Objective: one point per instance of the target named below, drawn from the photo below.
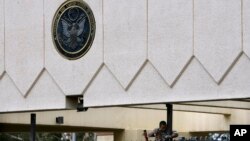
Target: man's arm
(152, 133)
(174, 135)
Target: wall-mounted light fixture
(59, 120)
(80, 107)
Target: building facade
(143, 52)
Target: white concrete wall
(145, 51)
(105, 138)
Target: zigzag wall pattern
(145, 51)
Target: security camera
(80, 107)
(59, 120)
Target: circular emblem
(73, 29)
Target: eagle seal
(73, 29)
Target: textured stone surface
(217, 34)
(44, 95)
(11, 99)
(246, 27)
(1, 37)
(170, 44)
(149, 86)
(127, 70)
(125, 31)
(73, 75)
(236, 84)
(24, 42)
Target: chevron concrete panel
(105, 87)
(246, 27)
(217, 35)
(12, 99)
(150, 87)
(24, 43)
(1, 37)
(170, 36)
(236, 84)
(45, 94)
(125, 34)
(73, 75)
(155, 90)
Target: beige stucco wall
(134, 119)
(105, 138)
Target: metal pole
(33, 127)
(73, 136)
(170, 119)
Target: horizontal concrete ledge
(229, 104)
(186, 108)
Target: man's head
(163, 125)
